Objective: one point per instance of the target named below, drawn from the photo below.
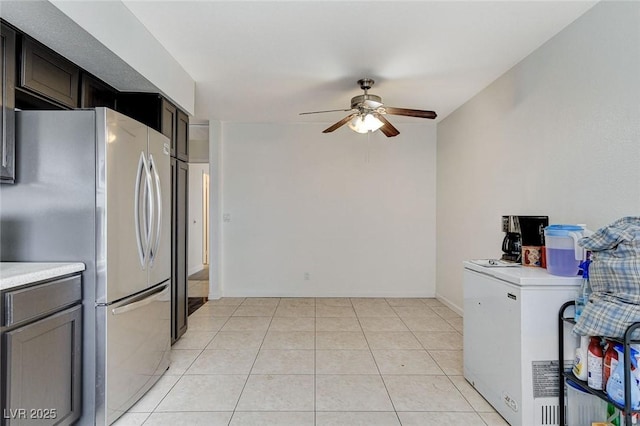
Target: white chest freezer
(511, 339)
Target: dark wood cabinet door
(48, 74)
(94, 93)
(43, 364)
(182, 137)
(179, 296)
(7, 103)
(168, 123)
(158, 113)
(144, 107)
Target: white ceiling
(267, 61)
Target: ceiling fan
(368, 111)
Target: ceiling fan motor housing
(368, 101)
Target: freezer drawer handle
(139, 303)
(512, 296)
(4, 108)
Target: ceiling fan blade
(339, 123)
(410, 112)
(320, 112)
(387, 128)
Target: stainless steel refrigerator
(94, 186)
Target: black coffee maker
(522, 231)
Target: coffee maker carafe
(511, 244)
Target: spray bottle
(585, 289)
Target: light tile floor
(316, 361)
(198, 288)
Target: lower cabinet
(179, 299)
(42, 361)
(41, 352)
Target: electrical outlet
(307, 276)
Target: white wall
(559, 134)
(195, 249)
(215, 209)
(357, 215)
(132, 42)
(199, 142)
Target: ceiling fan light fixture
(363, 123)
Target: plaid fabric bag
(614, 276)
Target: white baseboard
(451, 305)
(195, 269)
(327, 294)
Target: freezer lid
(524, 276)
(122, 184)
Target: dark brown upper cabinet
(169, 115)
(95, 93)
(7, 103)
(158, 113)
(182, 136)
(47, 74)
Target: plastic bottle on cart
(585, 290)
(615, 385)
(610, 362)
(580, 362)
(595, 359)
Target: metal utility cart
(626, 342)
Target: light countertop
(14, 274)
(525, 275)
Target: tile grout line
(445, 374)
(153, 411)
(233, 413)
(214, 336)
(377, 366)
(181, 375)
(358, 318)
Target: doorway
(198, 215)
(205, 218)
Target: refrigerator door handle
(4, 131)
(158, 193)
(136, 212)
(139, 303)
(149, 207)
